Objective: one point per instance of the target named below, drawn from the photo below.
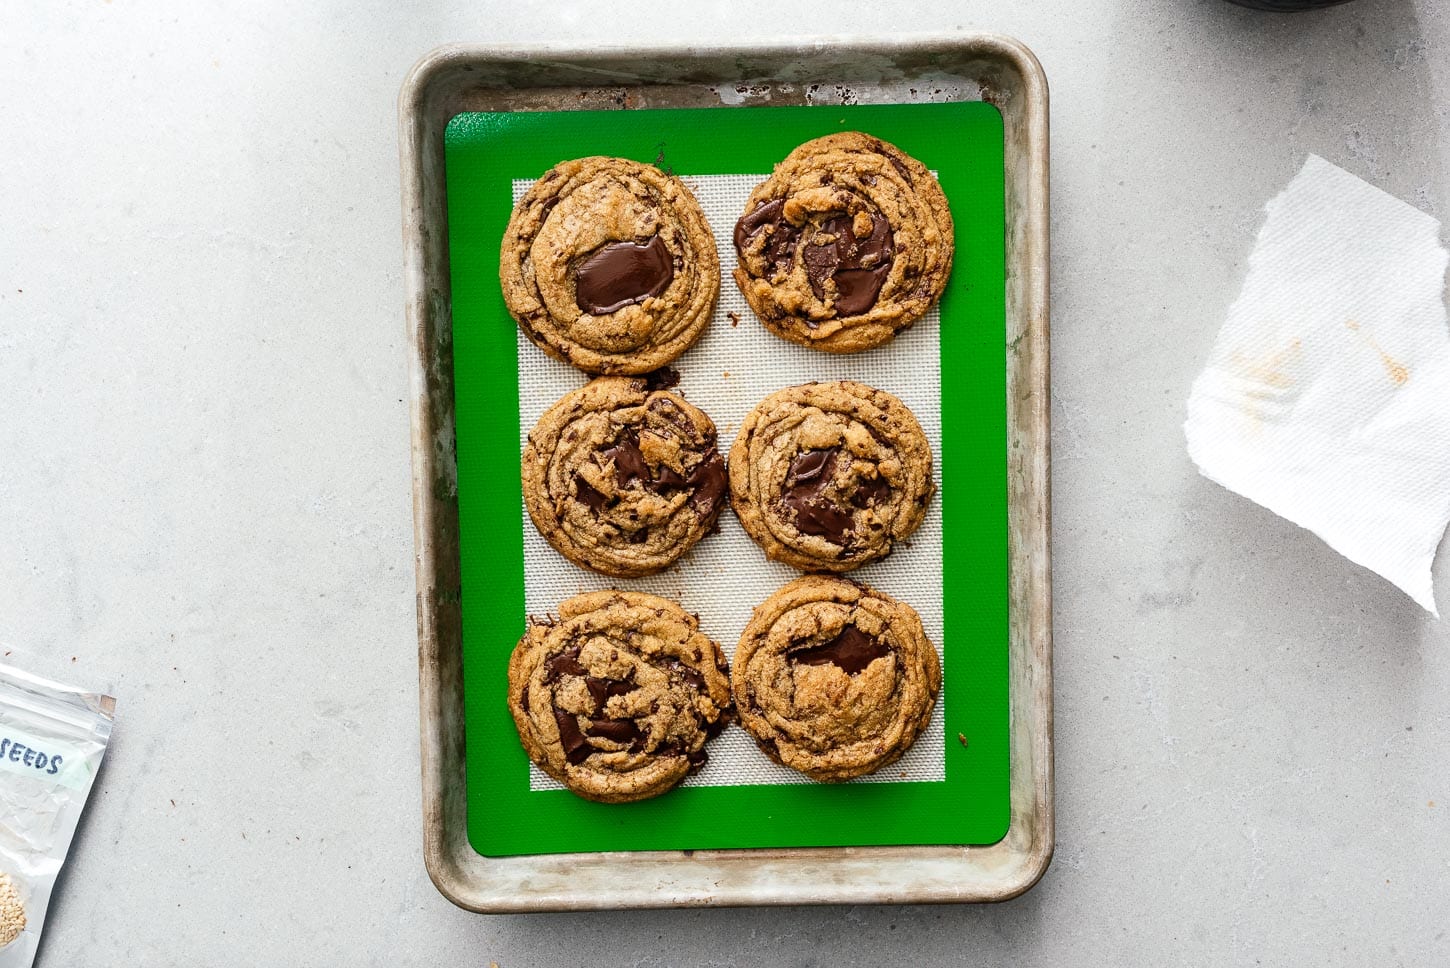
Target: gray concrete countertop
(205, 490)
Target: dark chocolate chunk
(851, 651)
(707, 478)
(629, 462)
(576, 750)
(667, 477)
(874, 491)
(709, 481)
(562, 664)
(858, 266)
(751, 224)
(662, 379)
(691, 676)
(618, 730)
(600, 690)
(857, 289)
(620, 274)
(813, 467)
(779, 250)
(820, 517)
(587, 494)
(809, 475)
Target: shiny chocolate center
(851, 651)
(621, 274)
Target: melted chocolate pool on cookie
(810, 474)
(574, 740)
(707, 479)
(858, 263)
(855, 252)
(779, 251)
(851, 651)
(626, 732)
(621, 274)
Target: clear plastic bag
(52, 738)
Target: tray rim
(436, 89)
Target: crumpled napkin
(1327, 396)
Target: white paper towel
(736, 364)
(1327, 396)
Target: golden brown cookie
(848, 242)
(623, 476)
(609, 265)
(829, 476)
(617, 697)
(834, 679)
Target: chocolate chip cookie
(609, 265)
(829, 476)
(617, 697)
(623, 476)
(848, 242)
(834, 679)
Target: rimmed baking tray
(827, 70)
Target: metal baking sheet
(826, 70)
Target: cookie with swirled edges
(834, 679)
(848, 242)
(609, 264)
(617, 696)
(623, 476)
(830, 476)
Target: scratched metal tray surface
(835, 70)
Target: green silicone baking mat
(952, 787)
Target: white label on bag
(44, 760)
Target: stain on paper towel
(1398, 372)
